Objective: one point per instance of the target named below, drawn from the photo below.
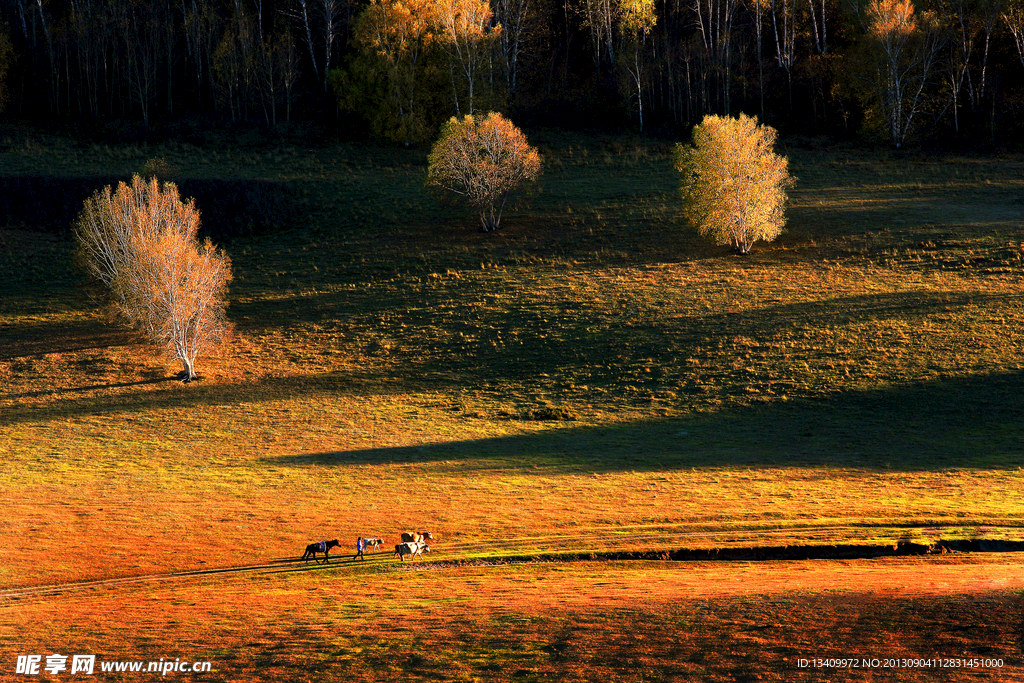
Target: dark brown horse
(322, 547)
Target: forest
(886, 71)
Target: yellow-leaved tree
(468, 35)
(390, 80)
(903, 48)
(637, 19)
(734, 184)
(140, 243)
(483, 159)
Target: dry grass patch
(613, 621)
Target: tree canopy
(734, 184)
(139, 242)
(483, 159)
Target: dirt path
(579, 620)
(929, 575)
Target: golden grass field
(591, 379)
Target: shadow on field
(57, 336)
(975, 423)
(599, 353)
(855, 309)
(92, 387)
(430, 340)
(417, 307)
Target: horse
(413, 549)
(322, 547)
(416, 536)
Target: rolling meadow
(563, 403)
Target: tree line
(895, 70)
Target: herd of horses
(414, 544)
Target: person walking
(359, 548)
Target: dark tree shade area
(889, 70)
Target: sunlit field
(591, 381)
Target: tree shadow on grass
(975, 422)
(972, 421)
(56, 336)
(542, 347)
(435, 346)
(420, 307)
(92, 387)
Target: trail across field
(907, 574)
(381, 621)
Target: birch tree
(140, 243)
(511, 15)
(139, 26)
(819, 22)
(392, 37)
(758, 7)
(331, 12)
(484, 160)
(599, 17)
(784, 19)
(304, 14)
(734, 184)
(637, 19)
(467, 34)
(1013, 17)
(905, 47)
(715, 24)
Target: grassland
(591, 378)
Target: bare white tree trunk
(467, 37)
(1013, 17)
(511, 15)
(907, 54)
